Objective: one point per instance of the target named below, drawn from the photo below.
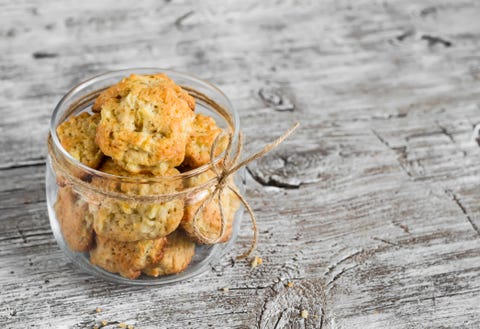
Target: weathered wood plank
(371, 209)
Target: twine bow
(227, 167)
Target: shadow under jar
(98, 218)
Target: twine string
(228, 166)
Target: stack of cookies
(142, 131)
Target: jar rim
(59, 109)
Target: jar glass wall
(113, 226)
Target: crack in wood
(339, 274)
(410, 299)
(444, 131)
(433, 40)
(380, 138)
(400, 150)
(179, 21)
(43, 54)
(322, 315)
(26, 164)
(385, 241)
(22, 235)
(428, 11)
(390, 116)
(251, 288)
(25, 237)
(405, 35)
(402, 226)
(217, 314)
(333, 266)
(463, 209)
(279, 319)
(264, 308)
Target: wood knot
(277, 99)
(286, 305)
(288, 170)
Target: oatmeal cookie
(178, 253)
(209, 221)
(77, 136)
(200, 142)
(126, 258)
(75, 220)
(145, 123)
(130, 220)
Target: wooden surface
(371, 209)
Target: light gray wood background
(371, 209)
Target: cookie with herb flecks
(178, 253)
(126, 258)
(77, 136)
(145, 124)
(132, 219)
(75, 219)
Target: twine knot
(224, 170)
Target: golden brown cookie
(75, 220)
(120, 90)
(200, 142)
(133, 220)
(177, 254)
(141, 183)
(145, 123)
(126, 258)
(209, 220)
(77, 136)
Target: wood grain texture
(371, 210)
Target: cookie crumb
(122, 325)
(257, 261)
(98, 310)
(290, 284)
(95, 327)
(225, 289)
(130, 326)
(304, 314)
(104, 322)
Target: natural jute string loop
(228, 166)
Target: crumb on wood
(130, 326)
(304, 314)
(122, 325)
(104, 322)
(289, 284)
(257, 261)
(225, 289)
(98, 310)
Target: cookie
(133, 220)
(126, 258)
(209, 220)
(145, 123)
(75, 220)
(197, 151)
(77, 136)
(177, 254)
(120, 90)
(141, 184)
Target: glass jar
(96, 204)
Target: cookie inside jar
(149, 149)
